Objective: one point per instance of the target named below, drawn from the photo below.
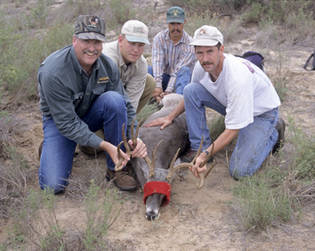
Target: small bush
(274, 194)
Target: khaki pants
(147, 92)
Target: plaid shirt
(168, 57)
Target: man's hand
(196, 169)
(140, 151)
(157, 94)
(162, 121)
(112, 151)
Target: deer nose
(151, 215)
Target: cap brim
(137, 39)
(204, 42)
(91, 35)
(175, 20)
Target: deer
(155, 174)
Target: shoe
(189, 156)
(280, 128)
(122, 180)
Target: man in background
(172, 56)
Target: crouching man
(80, 93)
(240, 91)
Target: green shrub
(262, 204)
(304, 156)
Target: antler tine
(133, 136)
(117, 166)
(152, 166)
(182, 165)
(204, 175)
(198, 152)
(125, 139)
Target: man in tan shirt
(127, 52)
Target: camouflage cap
(175, 14)
(90, 27)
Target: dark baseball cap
(90, 27)
(175, 14)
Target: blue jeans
(108, 111)
(254, 142)
(182, 79)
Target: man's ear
(74, 39)
(222, 48)
(121, 38)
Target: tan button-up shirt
(132, 75)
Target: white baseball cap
(135, 31)
(207, 35)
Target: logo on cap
(93, 22)
(175, 13)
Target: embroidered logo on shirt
(103, 80)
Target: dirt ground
(195, 219)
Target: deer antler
(152, 163)
(202, 175)
(119, 166)
(134, 137)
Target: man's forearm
(179, 109)
(223, 140)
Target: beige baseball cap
(135, 31)
(207, 35)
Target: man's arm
(167, 120)
(186, 58)
(158, 59)
(223, 140)
(135, 85)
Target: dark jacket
(67, 92)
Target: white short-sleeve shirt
(242, 87)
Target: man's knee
(185, 70)
(149, 84)
(239, 171)
(54, 185)
(190, 90)
(113, 101)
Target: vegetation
(274, 194)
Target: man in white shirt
(237, 89)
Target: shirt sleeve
(118, 86)
(157, 60)
(62, 110)
(136, 84)
(186, 58)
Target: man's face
(130, 51)
(209, 57)
(87, 51)
(176, 30)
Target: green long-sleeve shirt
(67, 92)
